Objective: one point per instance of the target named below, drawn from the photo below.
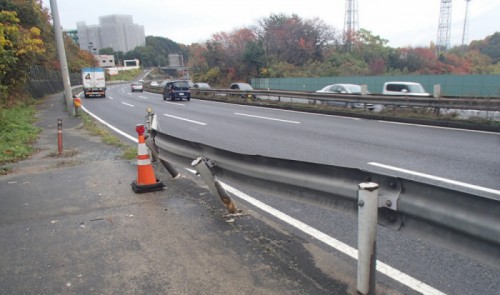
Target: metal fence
(43, 82)
(451, 85)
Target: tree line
(276, 46)
(289, 46)
(27, 39)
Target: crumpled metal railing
(464, 221)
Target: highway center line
(267, 118)
(184, 119)
(445, 180)
(127, 104)
(385, 269)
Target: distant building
(73, 34)
(114, 31)
(105, 61)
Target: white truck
(94, 82)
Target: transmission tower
(351, 22)
(466, 25)
(444, 27)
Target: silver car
(345, 89)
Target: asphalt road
(460, 155)
(71, 224)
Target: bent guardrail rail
(464, 221)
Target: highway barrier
(465, 220)
(481, 113)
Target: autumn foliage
(27, 39)
(289, 46)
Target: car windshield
(181, 84)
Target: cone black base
(146, 188)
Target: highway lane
(459, 155)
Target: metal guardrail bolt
(388, 203)
(361, 203)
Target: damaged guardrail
(463, 221)
(467, 222)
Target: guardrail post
(153, 149)
(367, 237)
(201, 165)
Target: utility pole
(466, 26)
(68, 95)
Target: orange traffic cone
(146, 179)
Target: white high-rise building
(114, 31)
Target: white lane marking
(176, 104)
(386, 269)
(110, 97)
(267, 118)
(438, 127)
(144, 97)
(184, 119)
(110, 126)
(289, 111)
(322, 115)
(445, 180)
(127, 104)
(389, 271)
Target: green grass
(128, 152)
(125, 75)
(17, 133)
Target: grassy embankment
(18, 132)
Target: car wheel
(189, 98)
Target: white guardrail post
(367, 237)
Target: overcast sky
(402, 22)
